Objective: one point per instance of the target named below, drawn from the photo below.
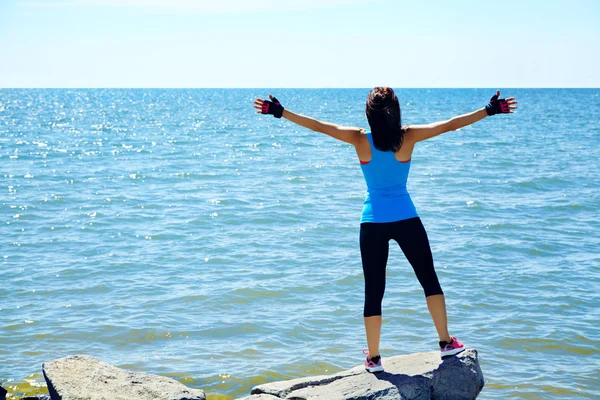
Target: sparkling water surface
(177, 232)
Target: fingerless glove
(272, 107)
(497, 106)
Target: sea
(180, 233)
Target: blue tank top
(387, 199)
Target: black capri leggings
(374, 247)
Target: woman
(388, 213)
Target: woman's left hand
(501, 106)
(272, 107)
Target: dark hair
(385, 119)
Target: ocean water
(177, 232)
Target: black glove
(272, 107)
(497, 106)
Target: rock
(43, 397)
(414, 377)
(2, 393)
(87, 378)
(259, 397)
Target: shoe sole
(374, 370)
(452, 352)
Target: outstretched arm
(417, 133)
(343, 133)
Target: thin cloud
(198, 6)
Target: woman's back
(387, 198)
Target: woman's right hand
(272, 107)
(501, 106)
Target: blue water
(177, 232)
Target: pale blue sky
(299, 43)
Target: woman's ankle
(447, 339)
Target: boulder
(421, 376)
(41, 397)
(87, 378)
(3, 393)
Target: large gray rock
(421, 376)
(260, 397)
(87, 378)
(40, 397)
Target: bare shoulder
(410, 134)
(417, 133)
(359, 135)
(346, 134)
(356, 135)
(354, 129)
(362, 136)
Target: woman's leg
(437, 308)
(374, 249)
(412, 238)
(373, 330)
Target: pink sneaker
(370, 366)
(452, 348)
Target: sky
(299, 43)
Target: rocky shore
(415, 377)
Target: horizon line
(294, 88)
